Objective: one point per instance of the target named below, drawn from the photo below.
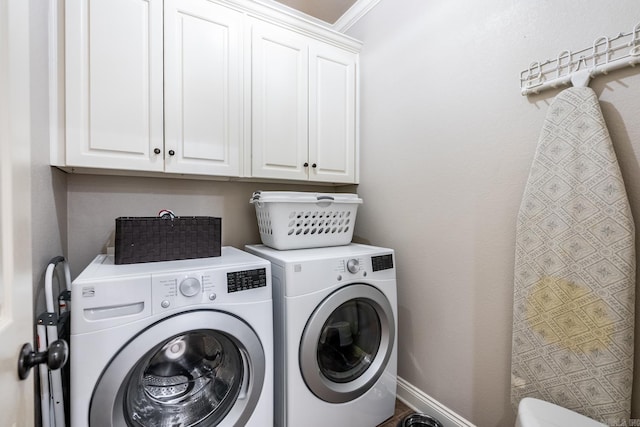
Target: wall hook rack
(606, 54)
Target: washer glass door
(200, 368)
(184, 380)
(347, 343)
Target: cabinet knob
(306, 165)
(314, 165)
(156, 150)
(172, 153)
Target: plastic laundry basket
(296, 220)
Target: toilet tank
(538, 413)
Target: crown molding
(353, 15)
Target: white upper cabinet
(332, 114)
(117, 59)
(228, 88)
(113, 84)
(303, 122)
(203, 88)
(280, 102)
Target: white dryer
(335, 313)
(176, 343)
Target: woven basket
(150, 239)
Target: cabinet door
(279, 122)
(113, 83)
(332, 114)
(203, 94)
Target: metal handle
(172, 153)
(306, 165)
(314, 165)
(55, 357)
(156, 150)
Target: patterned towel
(575, 269)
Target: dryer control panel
(382, 262)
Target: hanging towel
(575, 269)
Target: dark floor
(401, 411)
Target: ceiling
(326, 10)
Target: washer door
(201, 368)
(347, 343)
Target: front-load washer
(335, 313)
(174, 343)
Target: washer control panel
(353, 265)
(248, 279)
(190, 287)
(170, 291)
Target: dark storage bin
(419, 420)
(150, 239)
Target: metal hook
(634, 43)
(595, 54)
(581, 60)
(561, 56)
(635, 33)
(532, 77)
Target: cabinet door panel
(203, 88)
(279, 103)
(114, 83)
(332, 126)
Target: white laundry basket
(296, 220)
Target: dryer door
(347, 343)
(200, 368)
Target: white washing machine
(335, 313)
(176, 343)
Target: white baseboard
(421, 402)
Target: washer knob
(353, 265)
(190, 287)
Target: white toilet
(538, 413)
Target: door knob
(55, 357)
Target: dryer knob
(190, 287)
(353, 265)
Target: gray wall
(48, 185)
(447, 142)
(94, 202)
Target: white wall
(447, 142)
